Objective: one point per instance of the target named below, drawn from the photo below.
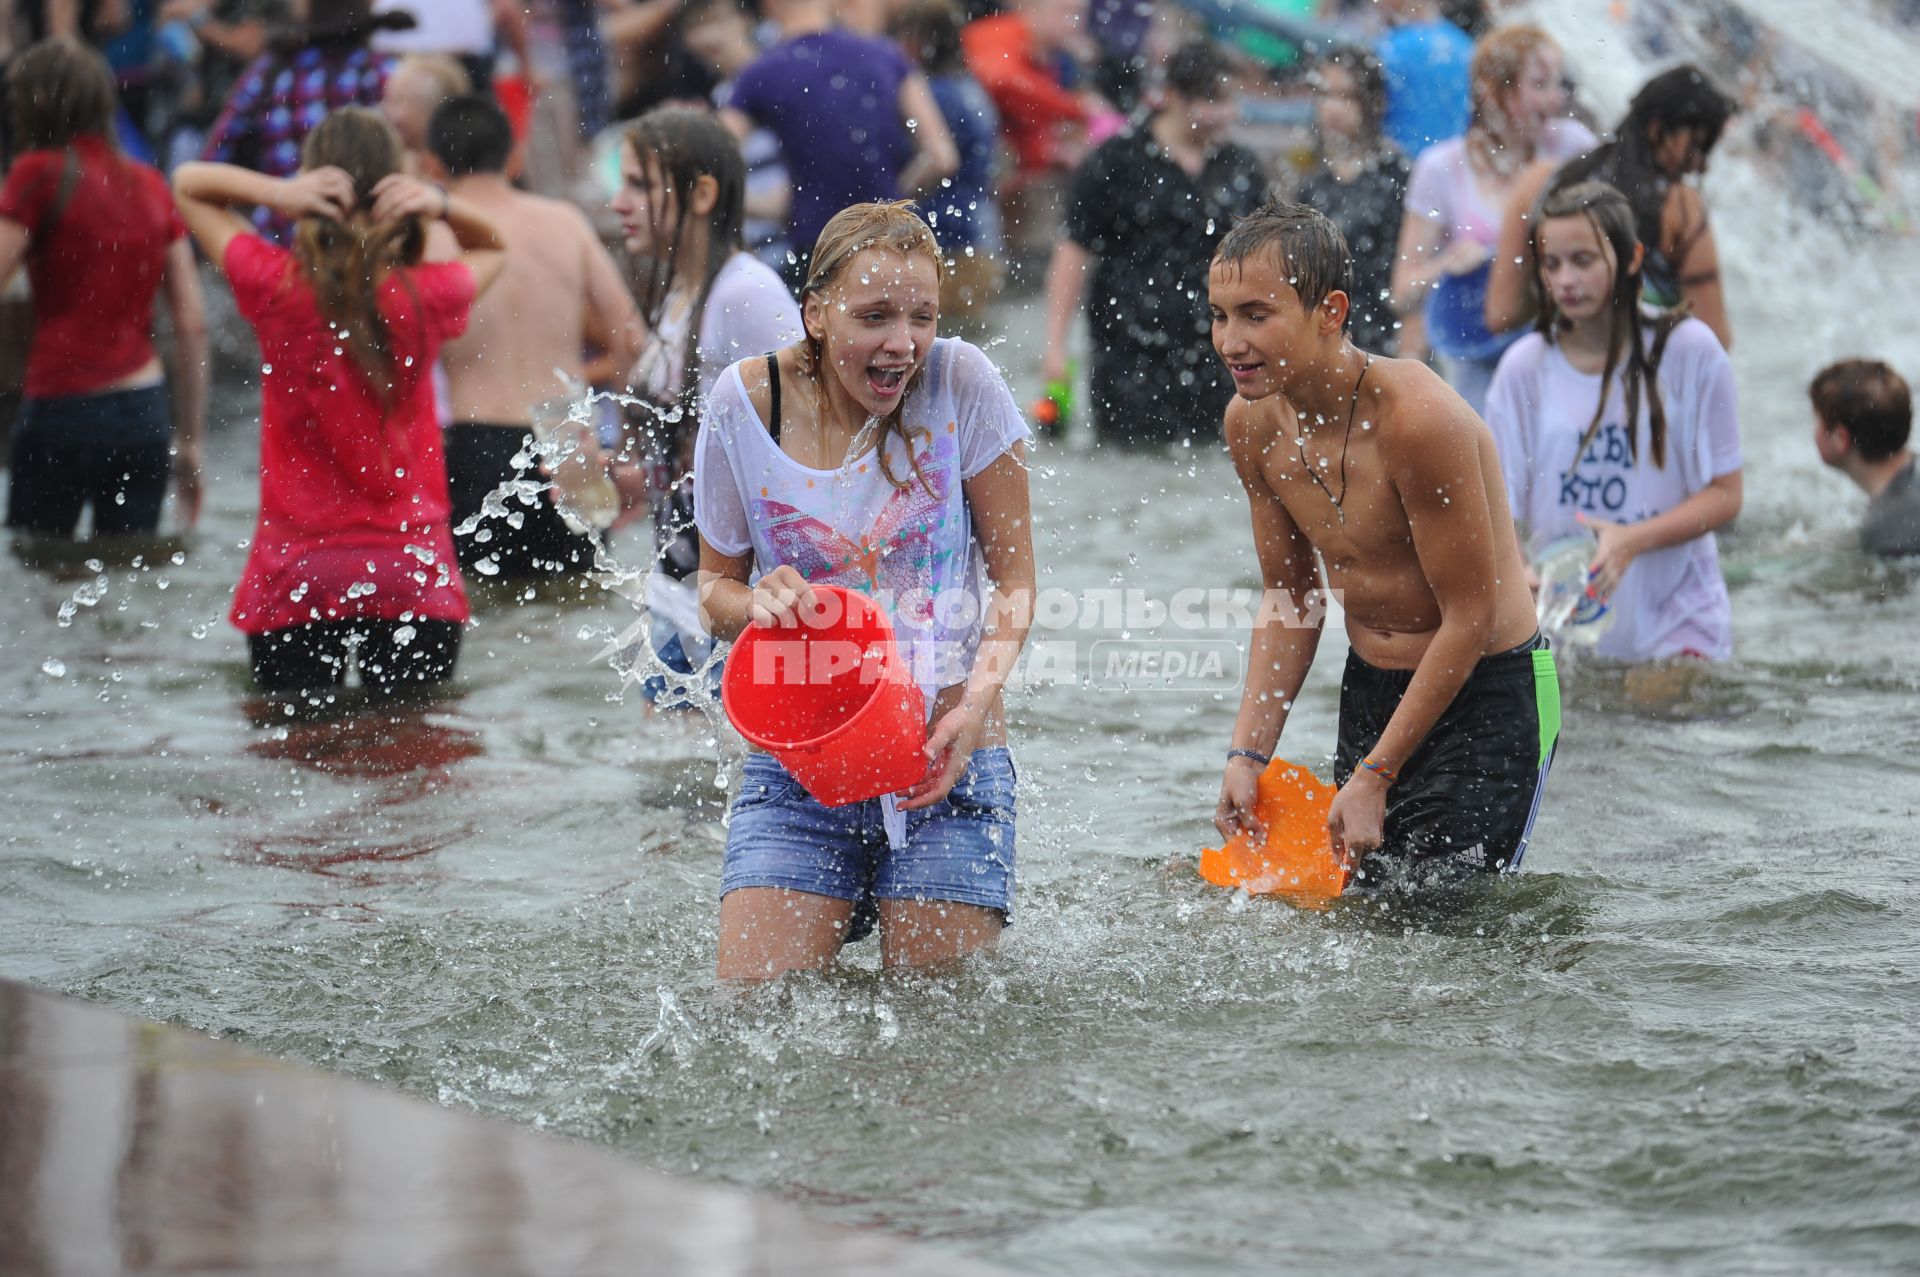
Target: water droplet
(54, 667)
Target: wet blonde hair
(1497, 62)
(891, 225)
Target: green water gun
(1053, 410)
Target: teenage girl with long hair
(1359, 180)
(707, 302)
(1668, 135)
(352, 552)
(876, 456)
(100, 238)
(1458, 190)
(1624, 422)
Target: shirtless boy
(1375, 473)
(558, 279)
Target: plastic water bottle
(1572, 613)
(581, 486)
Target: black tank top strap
(773, 381)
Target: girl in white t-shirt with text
(874, 456)
(1623, 421)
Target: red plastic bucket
(831, 698)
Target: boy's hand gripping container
(831, 698)
(1297, 861)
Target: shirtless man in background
(1376, 470)
(559, 290)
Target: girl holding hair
(874, 455)
(1623, 422)
(100, 238)
(352, 551)
(1457, 192)
(1360, 182)
(707, 302)
(1668, 135)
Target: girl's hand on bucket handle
(1239, 790)
(778, 597)
(950, 747)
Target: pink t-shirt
(1443, 188)
(96, 262)
(353, 496)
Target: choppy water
(1684, 1039)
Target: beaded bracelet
(1380, 769)
(1254, 754)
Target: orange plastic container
(831, 698)
(1297, 861)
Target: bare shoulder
(1424, 424)
(758, 385)
(1252, 427)
(559, 216)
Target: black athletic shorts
(111, 451)
(1469, 794)
(393, 656)
(480, 459)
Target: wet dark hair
(346, 260)
(1369, 85)
(1870, 400)
(59, 91)
(469, 135)
(1682, 98)
(1198, 71)
(1303, 241)
(1607, 211)
(932, 27)
(685, 144)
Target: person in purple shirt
(855, 119)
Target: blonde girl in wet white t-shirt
(1626, 424)
(874, 456)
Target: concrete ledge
(131, 1147)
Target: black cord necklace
(1300, 442)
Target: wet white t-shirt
(1539, 407)
(749, 312)
(910, 548)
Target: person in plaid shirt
(291, 88)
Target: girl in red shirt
(100, 239)
(352, 553)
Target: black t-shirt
(1892, 526)
(1152, 230)
(1367, 210)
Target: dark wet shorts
(392, 656)
(111, 451)
(480, 459)
(1469, 794)
(960, 849)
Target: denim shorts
(110, 451)
(960, 849)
